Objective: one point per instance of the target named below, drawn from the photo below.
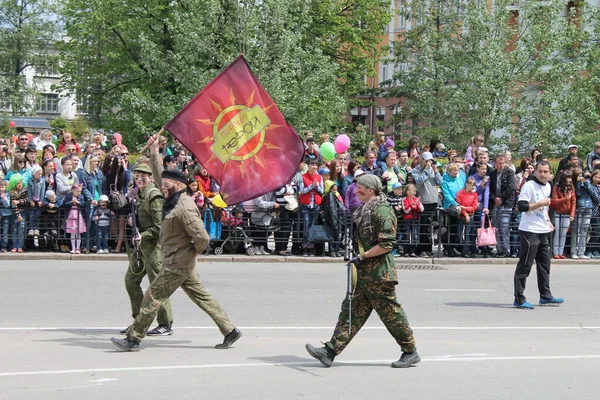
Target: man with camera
(5, 160)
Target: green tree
(472, 70)
(27, 36)
(78, 126)
(139, 64)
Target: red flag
(238, 134)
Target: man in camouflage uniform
(182, 237)
(376, 279)
(149, 207)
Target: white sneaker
(36, 232)
(36, 242)
(257, 251)
(261, 250)
(584, 257)
(574, 257)
(30, 232)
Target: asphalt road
(58, 317)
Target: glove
(356, 260)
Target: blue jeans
(501, 217)
(467, 240)
(102, 237)
(18, 233)
(411, 230)
(33, 218)
(309, 217)
(4, 232)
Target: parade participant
(182, 237)
(148, 211)
(376, 235)
(534, 229)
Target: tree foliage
(139, 63)
(506, 72)
(27, 36)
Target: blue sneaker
(552, 302)
(524, 305)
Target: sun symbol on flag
(239, 131)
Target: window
(402, 15)
(83, 104)
(48, 102)
(384, 72)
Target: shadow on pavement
(291, 361)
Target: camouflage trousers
(380, 297)
(150, 261)
(165, 284)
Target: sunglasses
(23, 139)
(124, 154)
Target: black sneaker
(230, 339)
(126, 344)
(406, 360)
(161, 330)
(323, 354)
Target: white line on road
(458, 290)
(288, 364)
(308, 328)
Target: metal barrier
(434, 233)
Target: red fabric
(413, 206)
(561, 204)
(467, 199)
(238, 134)
(308, 179)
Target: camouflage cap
(143, 167)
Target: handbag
(292, 202)
(214, 228)
(319, 233)
(117, 199)
(486, 236)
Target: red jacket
(412, 209)
(308, 179)
(468, 200)
(561, 204)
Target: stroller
(234, 223)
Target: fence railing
(433, 233)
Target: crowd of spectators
(440, 197)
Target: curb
(280, 259)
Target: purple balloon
(342, 143)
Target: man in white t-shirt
(534, 230)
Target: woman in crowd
(206, 183)
(593, 188)
(352, 167)
(117, 178)
(482, 188)
(452, 182)
(583, 217)
(563, 202)
(48, 175)
(413, 148)
(336, 173)
(18, 166)
(68, 139)
(43, 140)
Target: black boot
(406, 360)
(126, 344)
(324, 354)
(230, 339)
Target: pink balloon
(12, 124)
(342, 144)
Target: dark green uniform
(375, 286)
(149, 217)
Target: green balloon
(327, 151)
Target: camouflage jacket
(380, 231)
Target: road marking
(290, 364)
(458, 290)
(308, 328)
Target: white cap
(571, 146)
(483, 149)
(358, 173)
(427, 156)
(103, 198)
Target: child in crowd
(75, 224)
(233, 217)
(194, 192)
(334, 212)
(35, 194)
(102, 216)
(440, 151)
(394, 200)
(412, 208)
(563, 202)
(475, 144)
(384, 150)
(18, 200)
(51, 203)
(468, 200)
(5, 216)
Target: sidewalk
(242, 258)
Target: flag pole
(152, 140)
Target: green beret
(370, 181)
(143, 167)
